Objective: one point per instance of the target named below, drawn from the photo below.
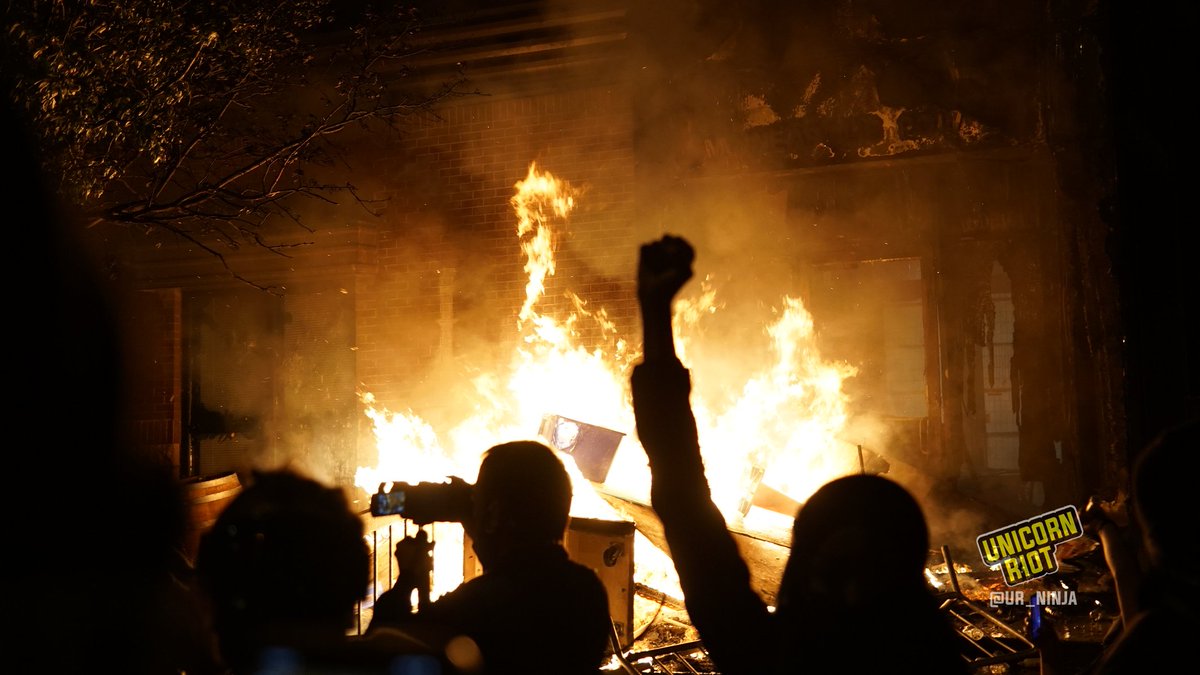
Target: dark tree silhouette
(207, 120)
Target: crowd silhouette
(278, 576)
(285, 566)
(94, 579)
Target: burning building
(898, 216)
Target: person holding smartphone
(533, 609)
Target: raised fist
(664, 266)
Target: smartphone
(387, 503)
(425, 503)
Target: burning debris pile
(576, 399)
(795, 404)
(996, 621)
(991, 618)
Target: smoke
(700, 85)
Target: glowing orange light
(782, 428)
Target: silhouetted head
(287, 554)
(70, 341)
(522, 497)
(1164, 476)
(856, 541)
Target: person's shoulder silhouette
(1156, 638)
(859, 548)
(120, 513)
(856, 567)
(283, 566)
(532, 609)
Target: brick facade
(391, 305)
(449, 279)
(655, 139)
(155, 324)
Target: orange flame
(539, 197)
(786, 422)
(783, 429)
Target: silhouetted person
(532, 610)
(1166, 618)
(852, 599)
(284, 567)
(1120, 545)
(93, 529)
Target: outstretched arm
(664, 266)
(661, 385)
(731, 618)
(1118, 554)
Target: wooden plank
(765, 556)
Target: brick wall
(431, 287)
(154, 327)
(450, 279)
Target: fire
(787, 422)
(782, 430)
(550, 373)
(538, 197)
(420, 456)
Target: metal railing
(989, 641)
(685, 658)
(382, 534)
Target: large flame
(539, 197)
(782, 430)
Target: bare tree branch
(209, 127)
